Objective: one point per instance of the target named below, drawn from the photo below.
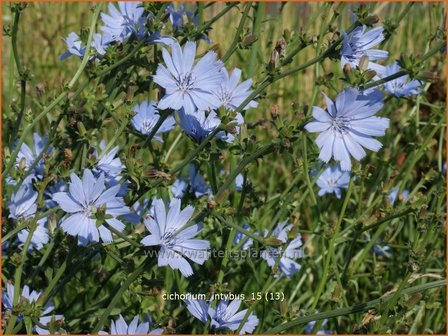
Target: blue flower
(239, 180)
(179, 188)
(111, 167)
(394, 194)
(310, 325)
(89, 203)
(31, 298)
(359, 43)
(176, 243)
(239, 237)
(231, 93)
(100, 42)
(176, 16)
(226, 316)
(348, 125)
(400, 86)
(332, 180)
(198, 186)
(28, 156)
(40, 236)
(51, 190)
(146, 118)
(120, 327)
(293, 251)
(187, 85)
(124, 21)
(198, 125)
(74, 47)
(381, 249)
(23, 203)
(138, 212)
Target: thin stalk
(331, 247)
(137, 272)
(354, 309)
(237, 36)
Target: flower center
(185, 82)
(168, 239)
(147, 125)
(90, 210)
(341, 124)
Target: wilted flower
(231, 93)
(348, 125)
(293, 251)
(187, 85)
(394, 194)
(100, 42)
(400, 86)
(124, 21)
(120, 327)
(332, 180)
(146, 118)
(90, 204)
(225, 316)
(31, 298)
(176, 244)
(359, 43)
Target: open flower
(348, 125)
(198, 125)
(332, 180)
(176, 243)
(23, 202)
(120, 327)
(186, 84)
(146, 118)
(288, 255)
(231, 93)
(90, 204)
(47, 319)
(40, 235)
(74, 47)
(225, 316)
(359, 43)
(400, 86)
(124, 21)
(28, 155)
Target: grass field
(341, 265)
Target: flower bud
(273, 241)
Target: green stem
(331, 247)
(259, 13)
(55, 102)
(354, 309)
(237, 36)
(118, 295)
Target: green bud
(81, 128)
(273, 241)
